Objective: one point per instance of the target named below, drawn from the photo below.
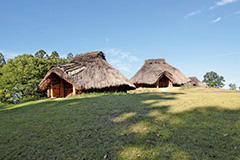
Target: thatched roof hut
(87, 72)
(196, 82)
(158, 73)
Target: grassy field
(177, 124)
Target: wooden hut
(158, 73)
(196, 82)
(87, 72)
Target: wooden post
(74, 90)
(48, 92)
(158, 83)
(169, 83)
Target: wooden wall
(163, 82)
(58, 87)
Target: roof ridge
(159, 60)
(88, 56)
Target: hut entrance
(58, 87)
(163, 82)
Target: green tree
(41, 54)
(55, 59)
(20, 77)
(22, 74)
(232, 86)
(2, 60)
(54, 55)
(212, 79)
(69, 56)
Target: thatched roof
(196, 82)
(153, 69)
(88, 71)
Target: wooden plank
(61, 89)
(51, 91)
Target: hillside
(176, 124)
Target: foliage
(212, 79)
(55, 59)
(54, 55)
(22, 74)
(69, 56)
(166, 125)
(41, 54)
(232, 86)
(2, 60)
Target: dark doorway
(163, 82)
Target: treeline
(20, 76)
(212, 79)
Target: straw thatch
(88, 72)
(196, 82)
(153, 70)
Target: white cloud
(212, 7)
(193, 13)
(123, 55)
(238, 12)
(124, 67)
(222, 3)
(120, 64)
(216, 20)
(120, 59)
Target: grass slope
(187, 124)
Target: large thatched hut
(87, 72)
(158, 73)
(196, 82)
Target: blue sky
(195, 36)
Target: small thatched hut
(158, 73)
(196, 82)
(87, 72)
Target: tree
(54, 55)
(232, 86)
(21, 75)
(212, 79)
(55, 59)
(69, 56)
(2, 60)
(41, 54)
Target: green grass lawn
(185, 124)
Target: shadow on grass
(135, 126)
